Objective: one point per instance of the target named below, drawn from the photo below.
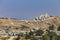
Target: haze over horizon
(26, 9)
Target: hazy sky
(28, 8)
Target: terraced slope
(22, 25)
(11, 27)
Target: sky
(27, 9)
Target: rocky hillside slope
(13, 27)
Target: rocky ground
(12, 28)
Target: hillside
(12, 27)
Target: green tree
(46, 37)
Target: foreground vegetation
(36, 35)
